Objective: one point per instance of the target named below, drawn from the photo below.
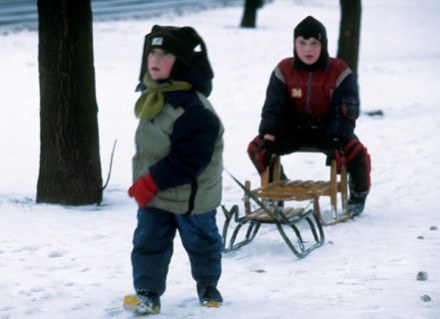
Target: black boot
(209, 295)
(356, 203)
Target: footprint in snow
(55, 254)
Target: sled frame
(282, 218)
(273, 188)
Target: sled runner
(290, 223)
(272, 199)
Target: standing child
(176, 169)
(312, 100)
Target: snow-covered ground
(74, 262)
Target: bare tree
(249, 19)
(349, 33)
(70, 166)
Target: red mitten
(260, 152)
(143, 190)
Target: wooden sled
(272, 199)
(291, 224)
(274, 188)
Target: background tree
(349, 33)
(249, 19)
(70, 166)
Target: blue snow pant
(153, 247)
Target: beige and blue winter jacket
(182, 149)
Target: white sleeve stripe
(342, 77)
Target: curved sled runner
(291, 224)
(303, 225)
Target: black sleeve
(345, 109)
(192, 146)
(274, 114)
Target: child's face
(160, 64)
(308, 50)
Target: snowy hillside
(74, 262)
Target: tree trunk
(70, 165)
(249, 19)
(349, 33)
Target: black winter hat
(310, 27)
(182, 42)
(179, 41)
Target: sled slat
(260, 216)
(293, 190)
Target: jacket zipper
(309, 85)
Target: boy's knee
(358, 165)
(200, 232)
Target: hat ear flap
(206, 64)
(191, 36)
(194, 40)
(141, 87)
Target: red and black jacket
(326, 99)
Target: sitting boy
(312, 100)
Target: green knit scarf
(152, 101)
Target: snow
(74, 262)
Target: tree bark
(249, 19)
(349, 33)
(70, 166)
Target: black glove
(260, 152)
(336, 152)
(335, 143)
(341, 128)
